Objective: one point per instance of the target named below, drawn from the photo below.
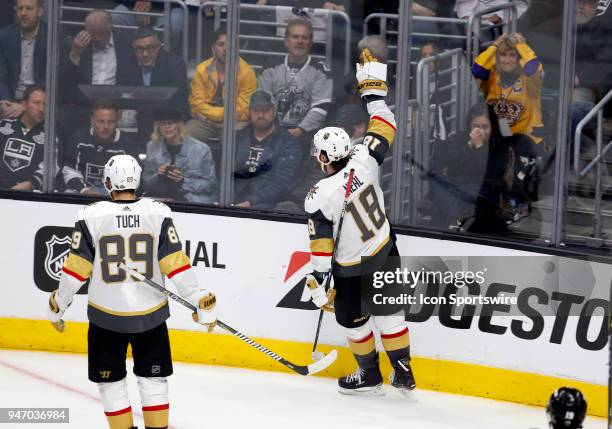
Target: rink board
(256, 269)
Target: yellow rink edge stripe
(220, 349)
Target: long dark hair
(486, 110)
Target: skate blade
(363, 391)
(407, 393)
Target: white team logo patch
(18, 154)
(603, 6)
(6, 130)
(58, 250)
(39, 138)
(94, 173)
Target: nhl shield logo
(51, 248)
(57, 252)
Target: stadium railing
(250, 30)
(595, 239)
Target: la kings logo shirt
(22, 153)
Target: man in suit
(98, 55)
(155, 66)
(23, 56)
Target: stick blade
(323, 363)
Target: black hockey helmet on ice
(566, 409)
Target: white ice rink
(216, 397)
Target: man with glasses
(154, 66)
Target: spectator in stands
(428, 50)
(510, 77)
(466, 8)
(354, 120)
(156, 67)
(339, 5)
(468, 177)
(177, 17)
(268, 158)
(360, 9)
(208, 92)
(98, 55)
(301, 86)
(437, 98)
(178, 167)
(86, 153)
(23, 56)
(22, 141)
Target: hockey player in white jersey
(367, 242)
(122, 310)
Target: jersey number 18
(370, 205)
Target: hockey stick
(318, 355)
(313, 368)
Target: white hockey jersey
(366, 233)
(142, 235)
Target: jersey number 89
(113, 250)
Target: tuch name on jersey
(128, 221)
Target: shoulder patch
(6, 128)
(322, 66)
(312, 192)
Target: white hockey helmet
(334, 141)
(123, 173)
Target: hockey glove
(371, 75)
(320, 298)
(206, 311)
(54, 314)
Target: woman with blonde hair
(510, 76)
(178, 167)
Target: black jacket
(72, 75)
(265, 179)
(169, 70)
(83, 159)
(10, 58)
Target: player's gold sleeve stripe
(364, 346)
(382, 127)
(397, 341)
(322, 245)
(78, 265)
(173, 261)
(128, 313)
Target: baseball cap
(262, 99)
(167, 114)
(351, 114)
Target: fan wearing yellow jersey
(510, 76)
